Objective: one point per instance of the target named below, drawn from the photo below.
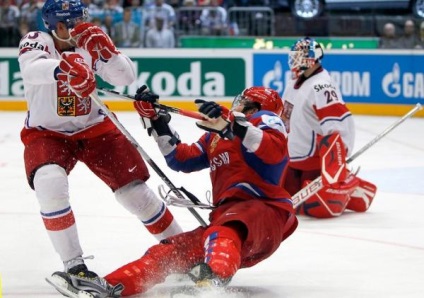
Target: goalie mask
(303, 55)
(260, 98)
(68, 12)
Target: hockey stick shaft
(144, 154)
(159, 106)
(312, 188)
(385, 132)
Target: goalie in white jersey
(321, 134)
(65, 126)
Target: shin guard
(222, 246)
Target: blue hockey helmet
(303, 55)
(68, 12)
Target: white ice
(379, 253)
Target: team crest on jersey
(213, 144)
(285, 116)
(68, 104)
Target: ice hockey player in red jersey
(321, 134)
(64, 126)
(246, 152)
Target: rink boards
(373, 82)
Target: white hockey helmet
(303, 55)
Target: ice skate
(79, 282)
(203, 277)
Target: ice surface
(376, 254)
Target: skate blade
(63, 287)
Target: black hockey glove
(144, 94)
(219, 118)
(209, 108)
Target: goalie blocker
(341, 189)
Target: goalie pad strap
(332, 155)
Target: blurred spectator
(94, 11)
(30, 12)
(23, 28)
(388, 39)
(163, 9)
(214, 19)
(137, 12)
(189, 19)
(420, 44)
(113, 9)
(127, 33)
(409, 39)
(260, 24)
(108, 25)
(9, 28)
(99, 23)
(175, 3)
(159, 36)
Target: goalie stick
(312, 188)
(144, 154)
(162, 109)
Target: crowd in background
(159, 23)
(408, 39)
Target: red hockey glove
(78, 74)
(144, 102)
(92, 39)
(145, 109)
(219, 118)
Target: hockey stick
(144, 154)
(312, 188)
(162, 109)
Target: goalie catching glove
(222, 121)
(92, 39)
(74, 70)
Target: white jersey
(315, 107)
(51, 104)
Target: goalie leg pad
(329, 201)
(332, 155)
(362, 197)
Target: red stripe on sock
(59, 223)
(162, 224)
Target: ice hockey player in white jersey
(64, 126)
(321, 135)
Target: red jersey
(248, 169)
